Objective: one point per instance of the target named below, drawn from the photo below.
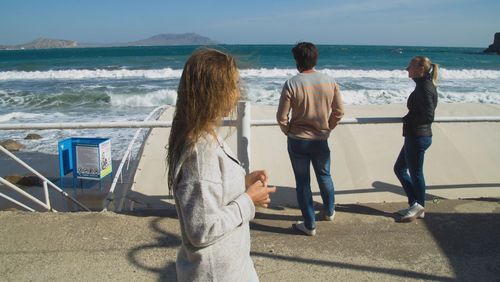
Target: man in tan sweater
(316, 107)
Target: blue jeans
(302, 153)
(411, 159)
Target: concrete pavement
(457, 240)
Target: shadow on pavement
(467, 241)
(401, 273)
(362, 209)
(164, 240)
(470, 241)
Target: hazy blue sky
(379, 22)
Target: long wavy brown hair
(208, 91)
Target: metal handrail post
(25, 165)
(46, 193)
(243, 134)
(20, 191)
(128, 161)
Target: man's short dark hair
(305, 55)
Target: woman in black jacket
(417, 135)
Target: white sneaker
(301, 227)
(413, 213)
(422, 216)
(325, 217)
(403, 212)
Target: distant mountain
(157, 40)
(174, 39)
(43, 43)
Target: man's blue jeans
(302, 153)
(411, 159)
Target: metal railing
(46, 183)
(128, 153)
(244, 119)
(243, 124)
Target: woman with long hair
(417, 134)
(214, 199)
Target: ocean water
(126, 83)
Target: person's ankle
(300, 226)
(413, 213)
(326, 217)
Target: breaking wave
(168, 73)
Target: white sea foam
(264, 96)
(169, 73)
(152, 99)
(260, 95)
(96, 86)
(336, 73)
(380, 96)
(469, 74)
(262, 72)
(469, 97)
(377, 97)
(48, 143)
(376, 74)
(19, 116)
(86, 74)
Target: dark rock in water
(32, 136)
(13, 178)
(30, 180)
(495, 47)
(27, 180)
(12, 145)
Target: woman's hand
(259, 193)
(254, 176)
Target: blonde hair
(429, 67)
(208, 91)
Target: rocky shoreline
(495, 47)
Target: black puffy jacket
(421, 105)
